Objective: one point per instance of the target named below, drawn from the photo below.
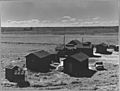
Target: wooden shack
(14, 73)
(69, 49)
(102, 48)
(54, 56)
(115, 47)
(76, 65)
(39, 61)
(76, 46)
(86, 48)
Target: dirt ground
(58, 81)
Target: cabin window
(18, 72)
(22, 72)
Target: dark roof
(40, 54)
(75, 42)
(80, 56)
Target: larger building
(40, 61)
(77, 65)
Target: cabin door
(70, 68)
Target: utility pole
(64, 42)
(82, 39)
(64, 37)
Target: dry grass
(57, 81)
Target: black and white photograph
(59, 45)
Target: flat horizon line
(65, 26)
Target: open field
(19, 45)
(61, 30)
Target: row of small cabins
(76, 58)
(76, 62)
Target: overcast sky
(59, 13)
